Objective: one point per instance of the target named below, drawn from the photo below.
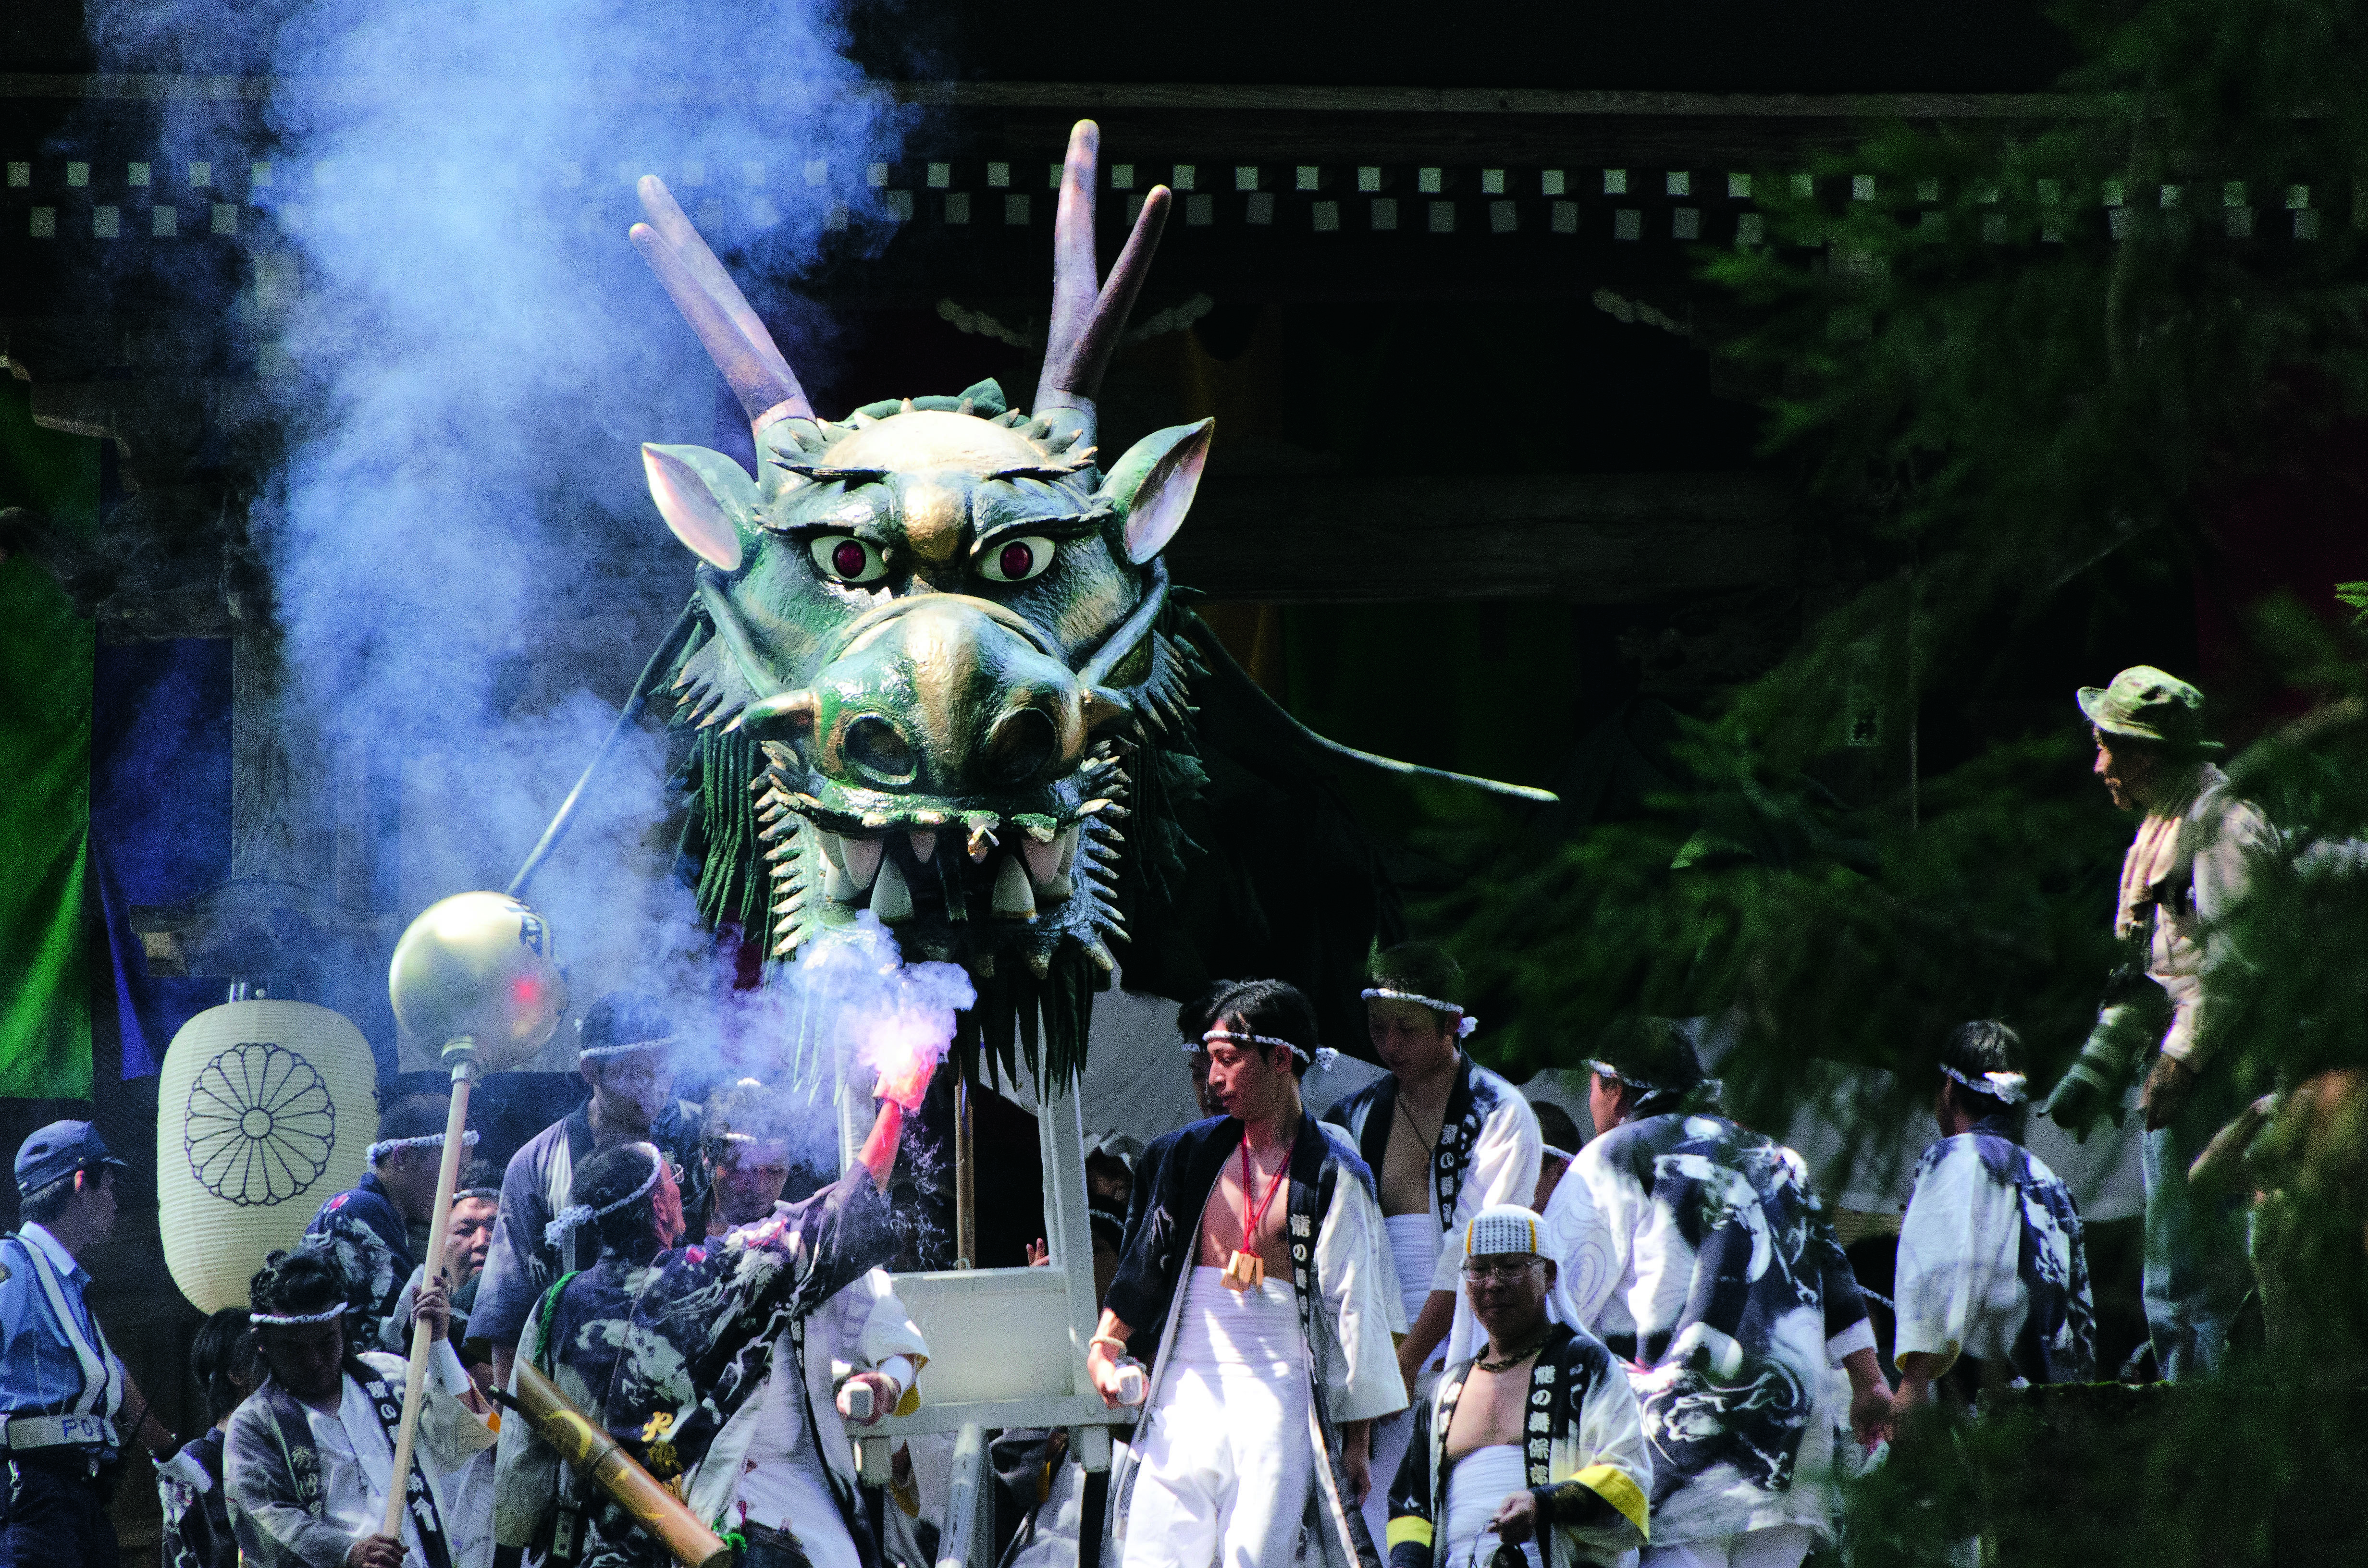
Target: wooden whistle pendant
(1246, 1272)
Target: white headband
(1466, 1022)
(602, 1052)
(576, 1214)
(385, 1146)
(290, 1319)
(1323, 1059)
(490, 1194)
(1712, 1086)
(2011, 1087)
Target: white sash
(102, 1374)
(560, 1177)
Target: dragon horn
(1088, 316)
(736, 339)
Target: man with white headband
(1253, 1280)
(367, 1228)
(1993, 1284)
(624, 1051)
(1727, 1292)
(309, 1457)
(1535, 1444)
(1445, 1138)
(724, 1368)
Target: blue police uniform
(60, 1386)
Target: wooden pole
(965, 1182)
(447, 1179)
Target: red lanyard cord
(1251, 1217)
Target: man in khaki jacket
(2199, 847)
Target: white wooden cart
(1006, 1346)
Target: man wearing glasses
(1728, 1292)
(625, 1054)
(1531, 1453)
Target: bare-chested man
(1243, 1229)
(1537, 1441)
(1446, 1138)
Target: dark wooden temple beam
(1588, 538)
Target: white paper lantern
(263, 1111)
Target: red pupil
(847, 559)
(1016, 560)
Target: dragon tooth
(1040, 964)
(1057, 887)
(1043, 860)
(830, 850)
(1068, 842)
(1093, 808)
(925, 844)
(834, 885)
(979, 964)
(891, 900)
(860, 858)
(1013, 899)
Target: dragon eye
(848, 559)
(1017, 560)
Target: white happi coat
(1489, 1150)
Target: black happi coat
(1347, 1296)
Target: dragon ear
(1152, 485)
(705, 498)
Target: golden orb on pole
(475, 977)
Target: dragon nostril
(876, 748)
(1021, 745)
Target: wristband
(1112, 1340)
(899, 1370)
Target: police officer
(61, 1387)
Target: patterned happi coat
(522, 1262)
(668, 1352)
(1730, 1292)
(1488, 1153)
(272, 1471)
(1348, 1297)
(361, 1228)
(1991, 1261)
(1584, 1458)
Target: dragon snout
(945, 699)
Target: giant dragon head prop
(932, 648)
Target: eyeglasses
(1505, 1273)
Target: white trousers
(1414, 1252)
(1779, 1546)
(1224, 1470)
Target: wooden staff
(448, 1180)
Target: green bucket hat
(2145, 704)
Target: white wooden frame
(1006, 1346)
